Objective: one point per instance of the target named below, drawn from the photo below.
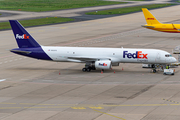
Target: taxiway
(34, 89)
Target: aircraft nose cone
(174, 59)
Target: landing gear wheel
(88, 69)
(93, 68)
(84, 69)
(154, 70)
(153, 66)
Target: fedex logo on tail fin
(24, 36)
(137, 54)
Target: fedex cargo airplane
(94, 58)
(154, 24)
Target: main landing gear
(88, 67)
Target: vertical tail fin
(23, 38)
(150, 19)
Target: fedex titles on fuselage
(24, 36)
(137, 55)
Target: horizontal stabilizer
(148, 26)
(19, 51)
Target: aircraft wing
(87, 58)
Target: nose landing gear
(154, 68)
(158, 67)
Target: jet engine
(103, 64)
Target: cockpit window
(168, 55)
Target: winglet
(23, 38)
(150, 19)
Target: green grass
(49, 5)
(127, 9)
(35, 22)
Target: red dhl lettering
(150, 18)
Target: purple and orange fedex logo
(24, 36)
(102, 64)
(137, 54)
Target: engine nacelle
(103, 64)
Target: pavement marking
(83, 106)
(40, 30)
(2, 80)
(175, 104)
(170, 101)
(62, 27)
(32, 107)
(109, 114)
(7, 56)
(138, 105)
(38, 104)
(49, 107)
(80, 108)
(85, 24)
(96, 107)
(107, 37)
(8, 103)
(10, 107)
(11, 60)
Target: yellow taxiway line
(109, 114)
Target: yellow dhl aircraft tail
(154, 24)
(150, 19)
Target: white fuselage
(116, 55)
